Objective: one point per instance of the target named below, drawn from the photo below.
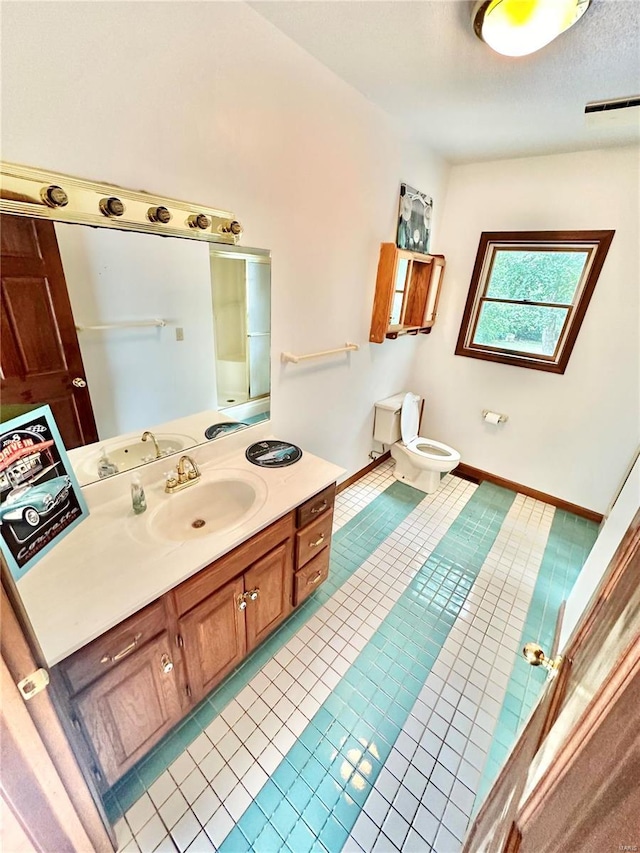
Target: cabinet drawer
(212, 578)
(311, 576)
(313, 538)
(311, 509)
(100, 656)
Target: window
(528, 296)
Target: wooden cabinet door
(214, 638)
(40, 351)
(270, 581)
(127, 710)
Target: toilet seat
(430, 449)
(425, 448)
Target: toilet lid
(409, 417)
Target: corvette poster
(40, 499)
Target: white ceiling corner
(421, 63)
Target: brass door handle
(318, 541)
(533, 654)
(320, 508)
(79, 382)
(166, 664)
(123, 652)
(315, 579)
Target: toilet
(419, 461)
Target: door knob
(534, 655)
(78, 382)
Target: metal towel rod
(294, 359)
(132, 325)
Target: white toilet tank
(386, 426)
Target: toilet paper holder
(494, 417)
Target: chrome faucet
(145, 435)
(182, 478)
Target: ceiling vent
(616, 112)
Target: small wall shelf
(407, 293)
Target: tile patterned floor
(364, 723)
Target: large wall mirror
(125, 333)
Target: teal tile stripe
(352, 544)
(315, 795)
(570, 540)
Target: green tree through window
(527, 295)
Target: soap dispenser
(106, 468)
(138, 499)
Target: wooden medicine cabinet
(407, 292)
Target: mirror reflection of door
(40, 354)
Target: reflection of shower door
(259, 345)
(258, 328)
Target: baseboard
(477, 475)
(361, 473)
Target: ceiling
(421, 63)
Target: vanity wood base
(129, 687)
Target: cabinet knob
(166, 663)
(253, 594)
(242, 604)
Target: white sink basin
(218, 502)
(136, 452)
(126, 453)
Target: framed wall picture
(414, 220)
(40, 499)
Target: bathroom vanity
(141, 628)
(140, 616)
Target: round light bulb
(520, 27)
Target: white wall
(605, 546)
(208, 102)
(141, 376)
(568, 435)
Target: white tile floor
(423, 796)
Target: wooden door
(572, 781)
(270, 581)
(45, 802)
(127, 710)
(39, 351)
(214, 638)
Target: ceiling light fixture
(519, 27)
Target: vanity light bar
(26, 191)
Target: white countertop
(110, 566)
